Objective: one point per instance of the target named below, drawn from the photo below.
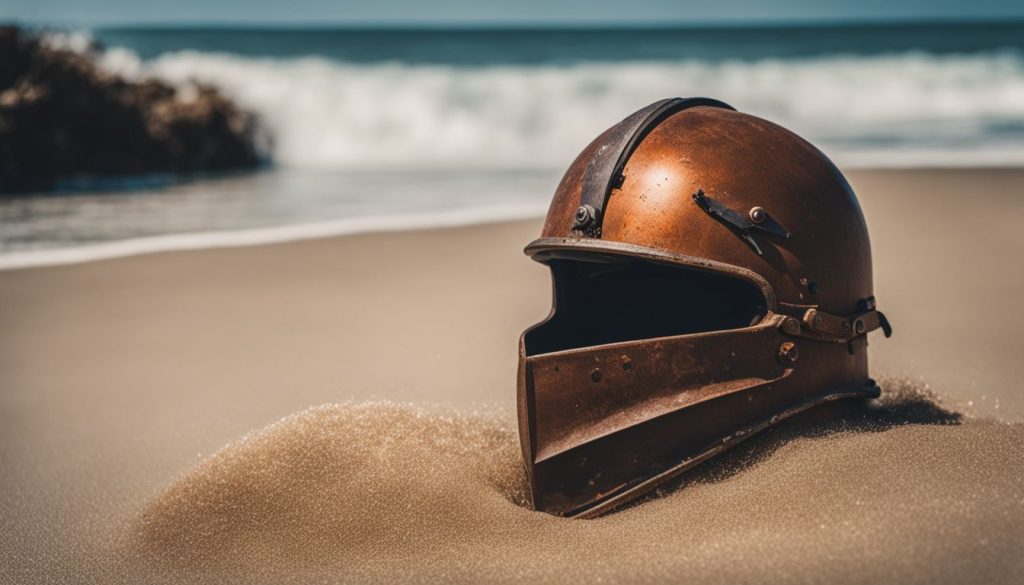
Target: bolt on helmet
(712, 277)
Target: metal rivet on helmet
(791, 326)
(788, 353)
(758, 214)
(585, 215)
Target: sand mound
(904, 491)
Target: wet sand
(126, 387)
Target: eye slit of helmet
(610, 301)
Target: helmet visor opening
(612, 300)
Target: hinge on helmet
(825, 326)
(742, 225)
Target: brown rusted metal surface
(604, 169)
(608, 408)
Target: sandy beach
(342, 410)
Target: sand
(381, 370)
(381, 492)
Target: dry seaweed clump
(62, 116)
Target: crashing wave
(905, 109)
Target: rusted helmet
(712, 277)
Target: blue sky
(98, 12)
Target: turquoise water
(489, 47)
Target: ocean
(371, 129)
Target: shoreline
(393, 223)
(239, 238)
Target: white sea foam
(907, 109)
(78, 41)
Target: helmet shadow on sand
(903, 402)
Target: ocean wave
(906, 109)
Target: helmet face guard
(655, 358)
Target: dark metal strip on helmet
(883, 322)
(604, 170)
(757, 219)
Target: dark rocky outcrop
(62, 117)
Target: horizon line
(526, 25)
